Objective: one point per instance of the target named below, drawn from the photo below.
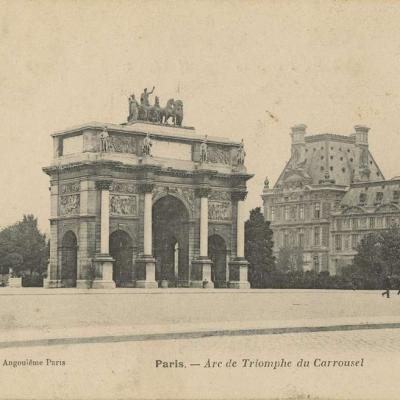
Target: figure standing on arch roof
(146, 148)
(266, 183)
(203, 150)
(144, 98)
(104, 140)
(241, 154)
(133, 108)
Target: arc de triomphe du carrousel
(146, 203)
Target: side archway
(121, 250)
(217, 254)
(69, 259)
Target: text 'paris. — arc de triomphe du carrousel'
(146, 203)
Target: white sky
(330, 65)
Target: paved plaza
(37, 308)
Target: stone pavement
(37, 317)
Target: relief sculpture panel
(123, 205)
(220, 195)
(123, 187)
(219, 211)
(217, 154)
(72, 187)
(123, 144)
(69, 205)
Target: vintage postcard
(201, 200)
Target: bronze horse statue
(167, 112)
(161, 115)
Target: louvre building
(330, 194)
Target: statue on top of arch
(155, 113)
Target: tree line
(377, 258)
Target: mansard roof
(329, 158)
(365, 195)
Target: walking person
(387, 286)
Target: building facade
(145, 204)
(330, 193)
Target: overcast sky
(243, 69)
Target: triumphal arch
(147, 203)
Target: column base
(238, 285)
(14, 282)
(200, 276)
(145, 272)
(83, 284)
(52, 283)
(104, 272)
(147, 284)
(238, 274)
(100, 284)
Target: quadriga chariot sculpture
(155, 113)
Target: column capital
(146, 187)
(103, 185)
(203, 191)
(238, 195)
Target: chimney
(361, 134)
(298, 133)
(298, 144)
(362, 171)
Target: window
(316, 262)
(339, 225)
(301, 211)
(363, 198)
(338, 242)
(325, 236)
(317, 236)
(354, 241)
(293, 213)
(301, 237)
(363, 223)
(286, 213)
(346, 244)
(317, 211)
(372, 222)
(354, 223)
(396, 196)
(285, 239)
(379, 197)
(379, 222)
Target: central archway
(121, 250)
(171, 241)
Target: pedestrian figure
(387, 287)
(205, 283)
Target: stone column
(204, 224)
(201, 267)
(238, 267)
(103, 260)
(146, 265)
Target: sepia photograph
(201, 200)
